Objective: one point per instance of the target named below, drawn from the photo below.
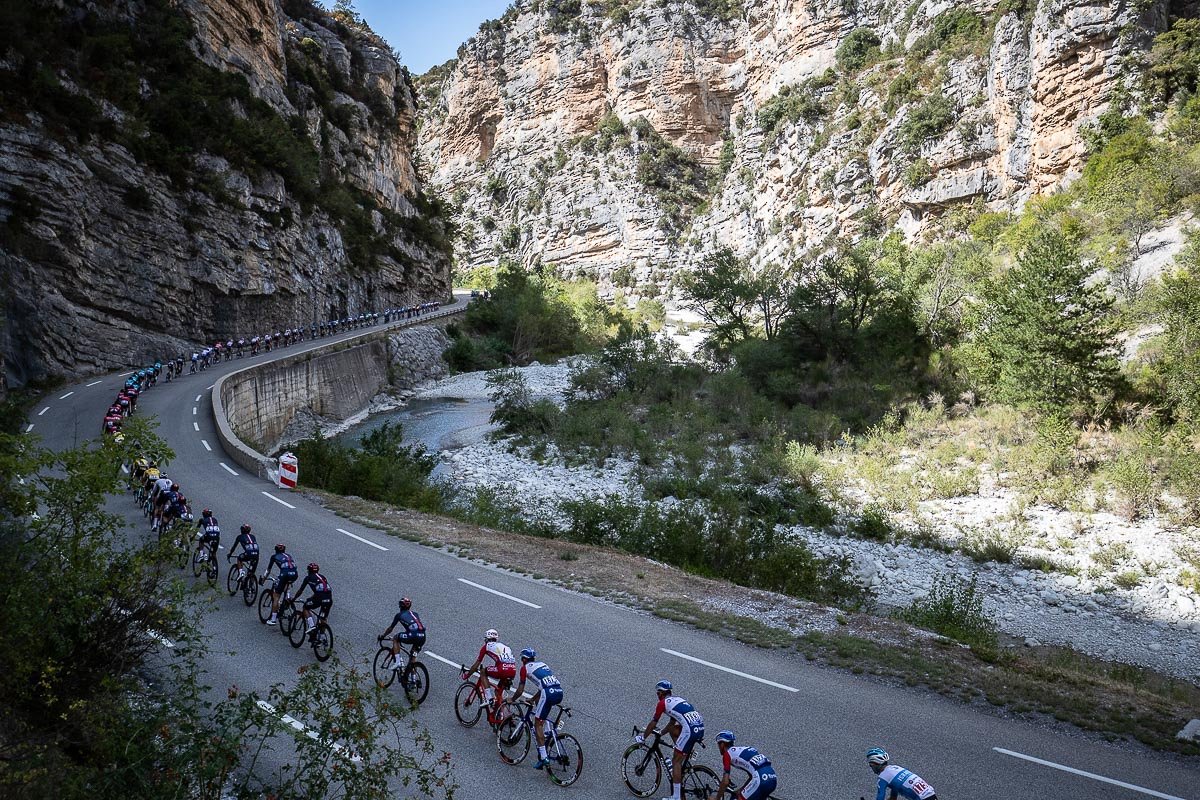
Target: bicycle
(563, 750)
(414, 676)
(204, 562)
(470, 701)
(287, 608)
(241, 579)
(643, 766)
(321, 635)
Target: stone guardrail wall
(337, 379)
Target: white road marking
(211, 385)
(158, 637)
(273, 497)
(498, 594)
(193, 411)
(205, 443)
(123, 374)
(436, 657)
(44, 410)
(300, 727)
(125, 469)
(196, 427)
(65, 396)
(29, 428)
(361, 539)
(1091, 775)
(94, 383)
(197, 400)
(225, 467)
(746, 675)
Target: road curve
(814, 722)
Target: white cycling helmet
(878, 757)
(491, 635)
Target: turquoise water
(437, 423)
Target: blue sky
(427, 33)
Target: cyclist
(501, 667)
(287, 574)
(247, 560)
(413, 633)
(549, 694)
(896, 782)
(762, 778)
(686, 727)
(322, 596)
(210, 533)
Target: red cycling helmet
(279, 548)
(314, 567)
(245, 529)
(405, 604)
(206, 512)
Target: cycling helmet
(206, 512)
(174, 487)
(245, 529)
(878, 757)
(279, 548)
(314, 567)
(405, 604)
(528, 654)
(491, 635)
(663, 686)
(727, 737)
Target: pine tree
(1045, 338)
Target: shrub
(953, 608)
(873, 524)
(952, 28)
(858, 48)
(791, 104)
(1136, 490)
(516, 411)
(931, 118)
(918, 173)
(990, 544)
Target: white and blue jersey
(762, 775)
(898, 782)
(691, 724)
(550, 691)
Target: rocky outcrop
(259, 175)
(807, 120)
(415, 356)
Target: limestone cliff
(621, 139)
(174, 172)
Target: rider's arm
(520, 689)
(882, 792)
(478, 661)
(658, 712)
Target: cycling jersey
(285, 563)
(550, 691)
(317, 582)
(212, 530)
(498, 660)
(691, 724)
(897, 782)
(249, 544)
(762, 779)
(413, 629)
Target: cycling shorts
(760, 786)
(250, 560)
(546, 701)
(322, 601)
(210, 538)
(688, 736)
(417, 639)
(285, 580)
(502, 672)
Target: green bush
(857, 49)
(953, 28)
(931, 118)
(515, 409)
(791, 104)
(953, 608)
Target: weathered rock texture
(514, 128)
(108, 261)
(415, 356)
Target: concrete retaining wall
(253, 406)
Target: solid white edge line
(29, 427)
(65, 396)
(747, 675)
(94, 383)
(273, 497)
(498, 594)
(206, 445)
(44, 410)
(1091, 775)
(361, 539)
(436, 657)
(197, 400)
(229, 469)
(196, 427)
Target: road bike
(563, 751)
(320, 636)
(643, 766)
(205, 563)
(287, 608)
(240, 578)
(414, 677)
(470, 701)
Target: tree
(1179, 364)
(1044, 336)
(720, 292)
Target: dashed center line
(29, 428)
(211, 385)
(196, 427)
(158, 637)
(197, 400)
(436, 657)
(125, 469)
(746, 675)
(273, 497)
(95, 383)
(300, 727)
(361, 539)
(205, 443)
(498, 594)
(226, 467)
(44, 410)
(193, 411)
(1091, 775)
(65, 396)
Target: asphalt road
(813, 722)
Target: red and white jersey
(497, 658)
(679, 710)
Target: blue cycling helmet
(663, 686)
(528, 654)
(878, 757)
(726, 736)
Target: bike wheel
(512, 735)
(214, 571)
(381, 668)
(249, 589)
(642, 770)
(566, 760)
(197, 564)
(184, 553)
(264, 607)
(287, 613)
(323, 641)
(699, 782)
(468, 705)
(231, 581)
(416, 683)
(295, 630)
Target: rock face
(804, 118)
(284, 192)
(415, 356)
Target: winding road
(815, 723)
